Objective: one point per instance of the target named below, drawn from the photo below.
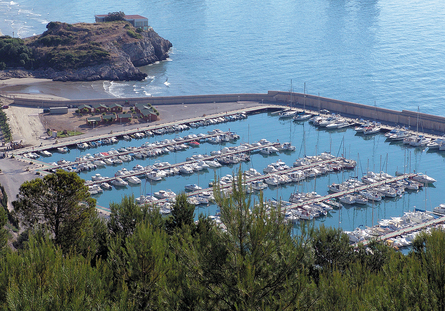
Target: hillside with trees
(138, 260)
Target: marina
(370, 153)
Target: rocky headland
(88, 52)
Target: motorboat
(45, 153)
(154, 176)
(272, 180)
(63, 149)
(439, 209)
(268, 150)
(82, 146)
(192, 187)
(370, 130)
(348, 199)
(425, 179)
(302, 116)
(371, 195)
(297, 176)
(105, 186)
(286, 114)
(257, 185)
(186, 169)
(119, 182)
(97, 177)
(286, 147)
(133, 180)
(164, 194)
(99, 163)
(94, 189)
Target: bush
(115, 16)
(133, 34)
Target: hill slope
(87, 52)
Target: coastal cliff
(88, 52)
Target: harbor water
(372, 153)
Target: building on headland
(137, 21)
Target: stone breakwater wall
(426, 122)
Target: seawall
(426, 122)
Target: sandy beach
(48, 89)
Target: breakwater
(416, 120)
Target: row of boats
(387, 229)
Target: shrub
(133, 34)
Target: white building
(137, 21)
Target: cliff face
(102, 51)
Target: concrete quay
(427, 123)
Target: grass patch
(64, 133)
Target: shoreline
(52, 90)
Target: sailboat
(166, 82)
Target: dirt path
(25, 125)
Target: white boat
(371, 130)
(286, 114)
(302, 117)
(63, 149)
(105, 186)
(122, 172)
(119, 182)
(348, 199)
(186, 169)
(360, 199)
(45, 153)
(336, 187)
(154, 176)
(258, 185)
(82, 146)
(192, 187)
(97, 177)
(297, 176)
(286, 147)
(133, 180)
(213, 164)
(420, 177)
(268, 150)
(439, 209)
(163, 194)
(272, 180)
(94, 189)
(99, 163)
(371, 195)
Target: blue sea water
(387, 53)
(390, 53)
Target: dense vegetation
(138, 260)
(14, 53)
(115, 16)
(4, 127)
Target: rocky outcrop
(125, 50)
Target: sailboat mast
(291, 93)
(304, 94)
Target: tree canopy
(250, 260)
(60, 202)
(115, 16)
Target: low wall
(165, 100)
(426, 122)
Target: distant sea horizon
(388, 54)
